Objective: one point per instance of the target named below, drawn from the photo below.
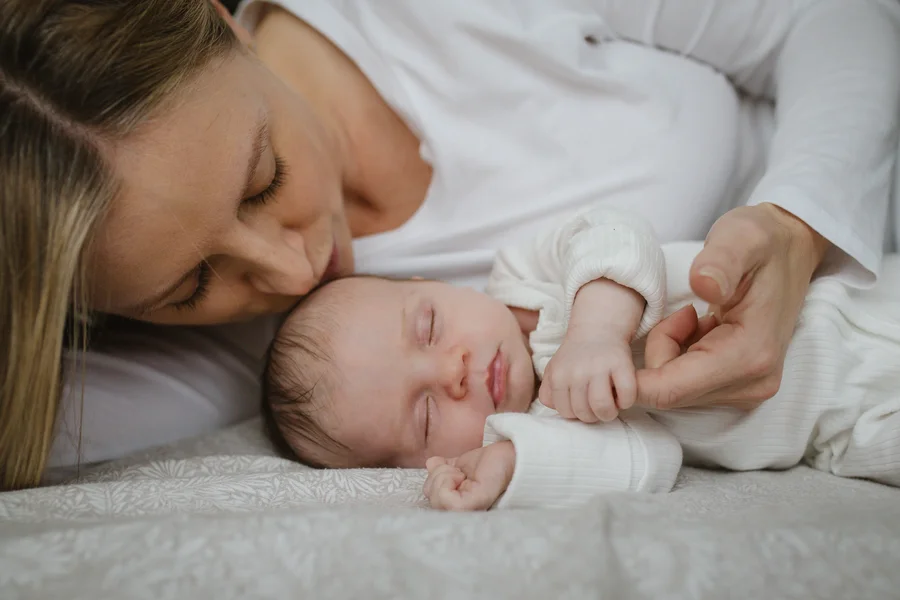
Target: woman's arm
(832, 67)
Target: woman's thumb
(733, 248)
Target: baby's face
(420, 366)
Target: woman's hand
(754, 271)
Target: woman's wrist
(800, 237)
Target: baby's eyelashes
(429, 417)
(425, 328)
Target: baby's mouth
(496, 379)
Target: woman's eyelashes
(271, 190)
(204, 273)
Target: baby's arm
(548, 274)
(591, 377)
(550, 462)
(598, 281)
(604, 307)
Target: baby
(372, 372)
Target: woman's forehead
(180, 175)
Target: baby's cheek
(463, 435)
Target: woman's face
(231, 205)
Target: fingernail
(714, 316)
(717, 276)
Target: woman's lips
(496, 379)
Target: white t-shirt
(532, 109)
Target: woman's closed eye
(271, 190)
(204, 271)
(204, 274)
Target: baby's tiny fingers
(437, 477)
(601, 400)
(545, 395)
(581, 406)
(446, 494)
(626, 387)
(563, 403)
(447, 499)
(466, 498)
(446, 477)
(434, 462)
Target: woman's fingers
(711, 364)
(704, 325)
(755, 271)
(735, 247)
(665, 341)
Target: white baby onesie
(838, 408)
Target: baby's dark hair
(297, 382)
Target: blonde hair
(74, 75)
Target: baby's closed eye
(425, 329)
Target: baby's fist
(473, 481)
(590, 379)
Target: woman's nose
(277, 263)
(454, 372)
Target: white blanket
(221, 518)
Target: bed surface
(219, 517)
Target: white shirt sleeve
(599, 243)
(562, 463)
(832, 67)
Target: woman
(163, 164)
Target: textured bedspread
(220, 518)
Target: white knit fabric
(838, 408)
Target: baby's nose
(455, 372)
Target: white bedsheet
(221, 518)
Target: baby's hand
(472, 481)
(590, 378)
